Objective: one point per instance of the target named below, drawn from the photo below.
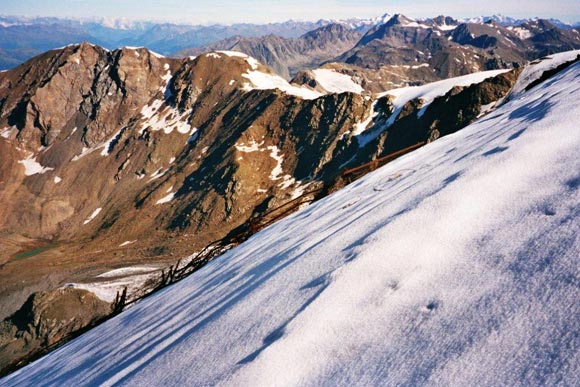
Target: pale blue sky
(259, 11)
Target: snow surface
(113, 140)
(157, 174)
(32, 167)
(263, 81)
(446, 27)
(456, 264)
(413, 24)
(107, 290)
(166, 199)
(433, 90)
(335, 82)
(252, 147)
(521, 32)
(360, 127)
(126, 243)
(535, 70)
(275, 154)
(93, 215)
(158, 116)
(253, 62)
(7, 132)
(126, 271)
(85, 151)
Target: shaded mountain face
(288, 56)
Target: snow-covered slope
(335, 82)
(454, 265)
(430, 91)
(534, 71)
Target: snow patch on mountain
(250, 60)
(166, 199)
(335, 82)
(252, 147)
(159, 116)
(93, 215)
(131, 278)
(521, 32)
(279, 158)
(263, 81)
(32, 167)
(427, 93)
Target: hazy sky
(230, 11)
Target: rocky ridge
(288, 56)
(398, 51)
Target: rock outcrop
(46, 319)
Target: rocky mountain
(508, 21)
(451, 48)
(24, 37)
(401, 51)
(288, 56)
(543, 38)
(112, 159)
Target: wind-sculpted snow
(454, 265)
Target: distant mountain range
(23, 37)
(400, 50)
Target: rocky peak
(442, 20)
(213, 74)
(288, 56)
(98, 89)
(330, 32)
(399, 30)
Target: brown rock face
(45, 319)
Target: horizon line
(104, 19)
